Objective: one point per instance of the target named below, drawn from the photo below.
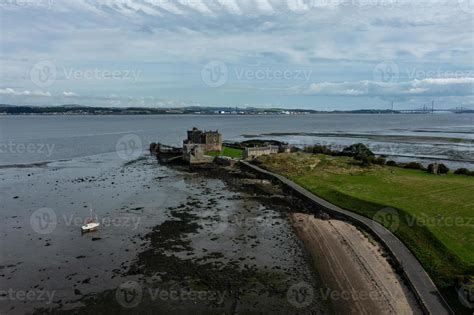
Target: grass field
(435, 214)
(227, 151)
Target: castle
(198, 143)
(202, 147)
(208, 140)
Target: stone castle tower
(209, 140)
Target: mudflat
(180, 240)
(208, 240)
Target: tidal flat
(175, 239)
(186, 240)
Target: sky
(316, 54)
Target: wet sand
(354, 267)
(356, 271)
(198, 245)
(58, 260)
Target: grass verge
(435, 214)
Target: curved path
(422, 285)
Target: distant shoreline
(195, 110)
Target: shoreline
(257, 254)
(375, 285)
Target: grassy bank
(227, 151)
(434, 214)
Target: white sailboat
(92, 224)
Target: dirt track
(359, 278)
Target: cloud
(231, 6)
(169, 41)
(264, 6)
(69, 93)
(13, 92)
(197, 5)
(38, 93)
(16, 97)
(424, 87)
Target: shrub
(379, 160)
(392, 163)
(357, 150)
(464, 171)
(415, 166)
(430, 168)
(364, 159)
(443, 169)
(318, 149)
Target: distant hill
(76, 109)
(73, 109)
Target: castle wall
(194, 154)
(251, 153)
(212, 141)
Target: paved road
(421, 283)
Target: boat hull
(91, 227)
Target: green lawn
(227, 151)
(436, 213)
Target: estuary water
(445, 137)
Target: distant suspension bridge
(430, 109)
